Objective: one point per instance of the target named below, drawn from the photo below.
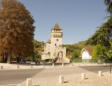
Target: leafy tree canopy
(99, 52)
(109, 5)
(16, 30)
(102, 35)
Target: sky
(79, 19)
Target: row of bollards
(83, 77)
(28, 81)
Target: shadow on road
(95, 69)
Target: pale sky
(79, 19)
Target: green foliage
(109, 5)
(81, 44)
(77, 60)
(74, 50)
(75, 54)
(102, 35)
(109, 52)
(38, 48)
(99, 52)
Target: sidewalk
(90, 64)
(72, 76)
(75, 80)
(5, 66)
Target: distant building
(86, 53)
(53, 48)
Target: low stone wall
(4, 66)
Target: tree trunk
(8, 59)
(1, 58)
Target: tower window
(55, 44)
(57, 39)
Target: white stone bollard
(83, 76)
(31, 66)
(18, 67)
(1, 67)
(72, 64)
(61, 79)
(62, 64)
(29, 82)
(53, 65)
(99, 73)
(18, 84)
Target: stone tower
(56, 36)
(53, 48)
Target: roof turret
(56, 27)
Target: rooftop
(56, 27)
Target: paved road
(17, 76)
(95, 69)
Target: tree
(75, 54)
(38, 48)
(102, 35)
(109, 5)
(109, 52)
(16, 30)
(71, 49)
(99, 52)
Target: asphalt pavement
(17, 76)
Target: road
(17, 76)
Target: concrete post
(31, 66)
(1, 67)
(29, 82)
(72, 64)
(18, 67)
(61, 79)
(18, 84)
(83, 76)
(99, 73)
(53, 65)
(62, 64)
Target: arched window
(60, 54)
(49, 53)
(57, 39)
(55, 45)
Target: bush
(93, 61)
(99, 52)
(77, 60)
(108, 60)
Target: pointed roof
(57, 27)
(89, 49)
